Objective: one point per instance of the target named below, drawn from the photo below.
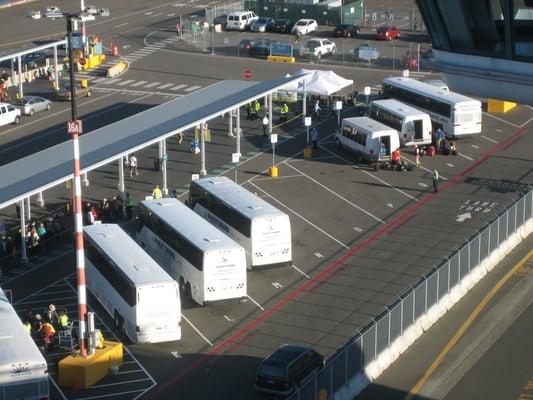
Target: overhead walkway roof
(45, 169)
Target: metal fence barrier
(378, 334)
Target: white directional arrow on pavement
(463, 217)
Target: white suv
(304, 26)
(9, 114)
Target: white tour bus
(23, 369)
(369, 140)
(263, 230)
(455, 114)
(413, 126)
(208, 264)
(142, 298)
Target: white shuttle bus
(263, 230)
(369, 140)
(413, 126)
(208, 264)
(23, 369)
(141, 297)
(455, 114)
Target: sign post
(235, 157)
(307, 122)
(274, 140)
(338, 108)
(368, 90)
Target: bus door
(385, 146)
(419, 131)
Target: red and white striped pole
(74, 128)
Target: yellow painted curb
(281, 59)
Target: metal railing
(378, 334)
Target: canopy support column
(203, 171)
(23, 255)
(164, 166)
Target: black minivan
(288, 367)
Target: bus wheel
(188, 291)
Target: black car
(290, 366)
(346, 30)
(282, 26)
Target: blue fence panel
(355, 357)
(323, 380)
(454, 270)
(520, 204)
(494, 235)
(369, 344)
(408, 306)
(420, 299)
(474, 251)
(484, 243)
(529, 206)
(511, 221)
(338, 371)
(464, 260)
(396, 321)
(503, 227)
(382, 333)
(432, 288)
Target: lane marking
(196, 329)
(277, 285)
(301, 216)
(335, 193)
(120, 383)
(422, 167)
(178, 87)
(123, 24)
(112, 394)
(139, 83)
(466, 325)
(256, 303)
(489, 139)
(319, 255)
(152, 84)
(193, 88)
(369, 174)
(166, 85)
(465, 156)
(278, 177)
(127, 82)
(300, 271)
(228, 318)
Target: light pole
(74, 128)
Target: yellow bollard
(273, 172)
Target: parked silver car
(262, 24)
(29, 105)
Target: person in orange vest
(47, 332)
(395, 157)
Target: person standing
(178, 30)
(435, 176)
(317, 109)
(156, 193)
(314, 138)
(265, 125)
(129, 205)
(284, 112)
(417, 156)
(133, 166)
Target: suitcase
(430, 151)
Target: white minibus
(23, 369)
(208, 264)
(141, 297)
(369, 140)
(455, 114)
(263, 230)
(413, 126)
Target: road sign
(274, 138)
(367, 91)
(367, 53)
(338, 105)
(74, 127)
(307, 121)
(406, 73)
(165, 157)
(195, 177)
(235, 157)
(248, 74)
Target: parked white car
(9, 114)
(318, 48)
(304, 26)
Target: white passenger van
(240, 20)
(369, 140)
(413, 126)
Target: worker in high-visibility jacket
(62, 321)
(99, 339)
(284, 112)
(47, 332)
(27, 326)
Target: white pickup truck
(318, 48)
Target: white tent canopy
(319, 82)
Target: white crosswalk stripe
(128, 82)
(178, 87)
(139, 83)
(152, 84)
(192, 88)
(166, 85)
(114, 80)
(98, 80)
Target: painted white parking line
(301, 216)
(280, 177)
(124, 83)
(335, 193)
(169, 40)
(256, 303)
(300, 271)
(112, 81)
(489, 139)
(159, 44)
(369, 174)
(465, 156)
(178, 87)
(119, 383)
(166, 85)
(157, 15)
(142, 93)
(192, 88)
(119, 25)
(112, 394)
(196, 329)
(138, 83)
(99, 80)
(422, 167)
(152, 84)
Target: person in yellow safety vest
(27, 326)
(99, 340)
(156, 193)
(257, 106)
(63, 320)
(284, 111)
